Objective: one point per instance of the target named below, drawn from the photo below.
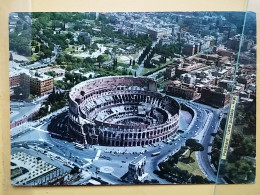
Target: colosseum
(121, 111)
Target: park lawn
(70, 49)
(106, 57)
(133, 72)
(97, 38)
(146, 70)
(123, 65)
(135, 67)
(34, 57)
(192, 168)
(111, 45)
(120, 61)
(134, 56)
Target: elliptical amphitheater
(121, 111)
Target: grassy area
(73, 50)
(106, 57)
(134, 55)
(147, 70)
(97, 38)
(191, 167)
(123, 65)
(163, 83)
(119, 60)
(111, 45)
(135, 67)
(34, 57)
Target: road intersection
(205, 121)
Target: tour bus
(156, 153)
(169, 141)
(79, 146)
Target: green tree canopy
(193, 146)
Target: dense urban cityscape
(114, 98)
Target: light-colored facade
(136, 169)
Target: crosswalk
(97, 155)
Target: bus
(156, 153)
(79, 146)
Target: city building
(33, 170)
(215, 96)
(222, 72)
(245, 79)
(41, 84)
(179, 89)
(157, 33)
(226, 84)
(188, 67)
(170, 72)
(234, 43)
(14, 81)
(188, 78)
(223, 51)
(189, 49)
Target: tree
(193, 146)
(89, 60)
(11, 57)
(154, 181)
(100, 59)
(48, 53)
(173, 160)
(197, 179)
(51, 73)
(115, 63)
(37, 49)
(106, 52)
(237, 139)
(74, 170)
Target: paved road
(45, 62)
(141, 66)
(206, 139)
(204, 118)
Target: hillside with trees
(240, 164)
